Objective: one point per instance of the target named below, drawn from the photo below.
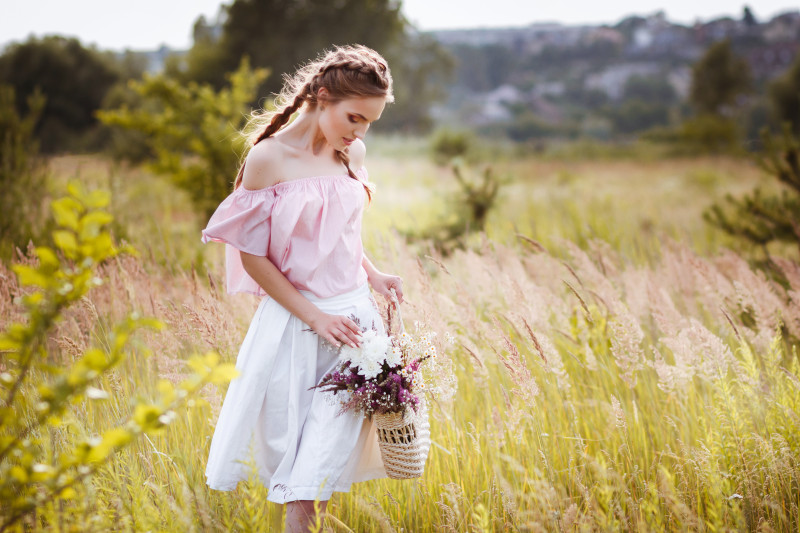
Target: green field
(630, 372)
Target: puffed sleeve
(242, 221)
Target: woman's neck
(304, 134)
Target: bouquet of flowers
(382, 380)
(382, 375)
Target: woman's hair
(345, 71)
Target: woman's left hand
(384, 283)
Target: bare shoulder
(357, 153)
(263, 165)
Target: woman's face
(345, 121)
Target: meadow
(616, 364)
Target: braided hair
(345, 71)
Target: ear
(323, 96)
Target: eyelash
(353, 119)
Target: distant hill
(559, 74)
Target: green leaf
(19, 473)
(101, 247)
(222, 374)
(95, 359)
(146, 416)
(118, 437)
(47, 258)
(97, 199)
(92, 223)
(30, 277)
(66, 211)
(66, 242)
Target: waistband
(344, 299)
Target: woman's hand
(336, 329)
(384, 283)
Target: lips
(347, 141)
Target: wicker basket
(404, 441)
(404, 438)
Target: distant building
(771, 60)
(612, 80)
(783, 28)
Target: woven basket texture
(404, 441)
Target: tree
(645, 104)
(74, 80)
(784, 95)
(282, 34)
(748, 18)
(420, 69)
(760, 218)
(718, 79)
(193, 130)
(650, 89)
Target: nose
(361, 130)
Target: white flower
(370, 355)
(369, 369)
(394, 356)
(351, 354)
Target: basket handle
(395, 303)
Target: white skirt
(299, 445)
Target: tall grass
(595, 388)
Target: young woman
(292, 227)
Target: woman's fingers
(347, 331)
(397, 285)
(352, 325)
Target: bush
(193, 130)
(703, 134)
(471, 207)
(44, 467)
(447, 144)
(759, 218)
(22, 178)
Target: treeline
(77, 81)
(74, 80)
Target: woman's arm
(382, 283)
(334, 328)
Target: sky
(147, 24)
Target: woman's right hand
(336, 329)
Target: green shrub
(44, 468)
(447, 144)
(193, 130)
(760, 218)
(22, 178)
(469, 210)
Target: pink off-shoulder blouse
(310, 228)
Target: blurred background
(518, 72)
(164, 89)
(599, 203)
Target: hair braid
(345, 159)
(277, 122)
(345, 72)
